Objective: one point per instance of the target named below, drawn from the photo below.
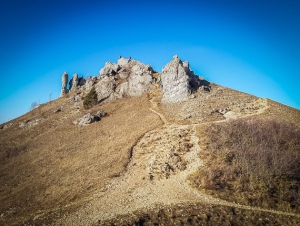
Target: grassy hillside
(131, 167)
(55, 163)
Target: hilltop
(145, 153)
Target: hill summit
(131, 78)
(134, 146)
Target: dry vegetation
(253, 162)
(54, 167)
(200, 214)
(91, 99)
(130, 168)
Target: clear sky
(248, 45)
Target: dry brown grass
(200, 214)
(53, 169)
(203, 107)
(56, 163)
(253, 162)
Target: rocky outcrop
(105, 87)
(109, 69)
(123, 62)
(64, 82)
(176, 81)
(138, 81)
(81, 81)
(131, 78)
(8, 125)
(74, 82)
(179, 81)
(30, 123)
(127, 78)
(89, 84)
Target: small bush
(91, 99)
(257, 161)
(33, 105)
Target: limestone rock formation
(109, 69)
(105, 87)
(139, 80)
(131, 78)
(64, 82)
(128, 78)
(176, 81)
(81, 81)
(123, 62)
(89, 84)
(179, 81)
(74, 82)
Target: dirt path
(160, 163)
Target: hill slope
(131, 167)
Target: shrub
(258, 161)
(91, 99)
(33, 105)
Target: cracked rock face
(74, 82)
(128, 78)
(109, 69)
(176, 77)
(64, 82)
(105, 87)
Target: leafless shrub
(255, 156)
(33, 105)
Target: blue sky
(251, 46)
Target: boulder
(101, 114)
(64, 82)
(85, 120)
(90, 118)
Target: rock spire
(64, 82)
(176, 81)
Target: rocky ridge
(131, 78)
